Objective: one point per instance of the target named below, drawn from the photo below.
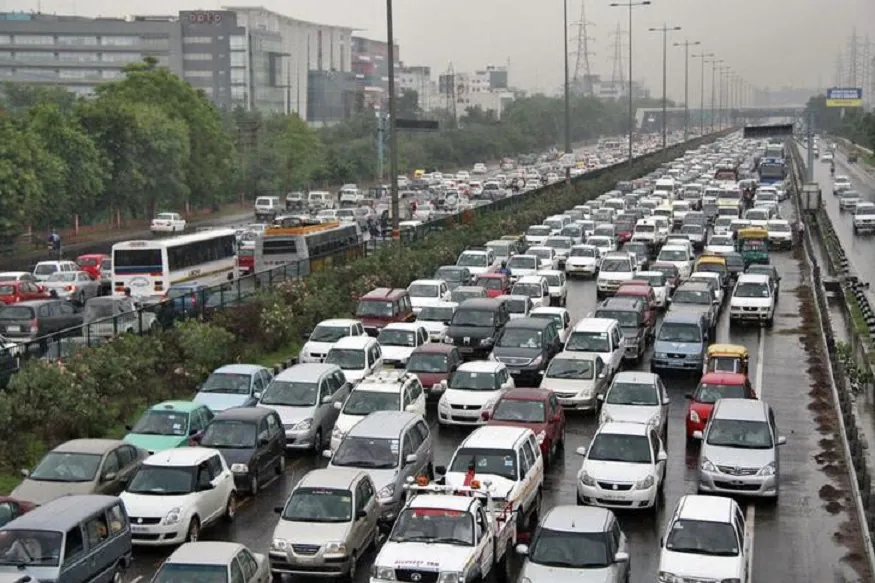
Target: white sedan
(168, 223)
(720, 245)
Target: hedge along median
(97, 389)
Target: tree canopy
(855, 124)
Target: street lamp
(665, 29)
(724, 76)
(567, 101)
(630, 5)
(714, 66)
(687, 44)
(702, 56)
(393, 136)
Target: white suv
(178, 492)
(478, 261)
(325, 334)
(614, 270)
(753, 299)
(473, 389)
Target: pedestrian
(55, 242)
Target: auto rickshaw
(714, 264)
(753, 244)
(727, 358)
(519, 242)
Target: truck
(452, 534)
(771, 170)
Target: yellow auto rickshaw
(712, 263)
(727, 358)
(753, 244)
(518, 240)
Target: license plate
(139, 529)
(388, 365)
(566, 402)
(612, 497)
(467, 340)
(13, 328)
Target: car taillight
(70, 288)
(34, 326)
(193, 299)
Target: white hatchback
(473, 390)
(583, 260)
(427, 292)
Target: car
(233, 385)
(427, 292)
(526, 346)
(678, 255)
(641, 289)
(840, 183)
(547, 257)
(177, 493)
(226, 561)
(80, 466)
(714, 386)
(848, 199)
(75, 286)
(753, 299)
(17, 276)
(398, 341)
(453, 275)
(518, 306)
(11, 508)
(382, 306)
(671, 273)
(637, 397)
(537, 409)
(864, 218)
(615, 269)
(168, 425)
(44, 269)
(560, 316)
(325, 334)
(474, 388)
(681, 343)
(537, 234)
(562, 246)
(714, 281)
(603, 554)
(357, 356)
(495, 284)
(699, 297)
(769, 270)
(433, 364)
(167, 223)
(467, 292)
(633, 315)
(478, 260)
(624, 466)
(720, 244)
(14, 291)
(436, 319)
(582, 260)
(475, 325)
(577, 379)
(557, 284)
(535, 287)
(600, 336)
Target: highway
(807, 535)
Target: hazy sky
(768, 42)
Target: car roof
(181, 406)
(93, 446)
(384, 293)
(527, 394)
(434, 348)
(495, 436)
(705, 508)
(383, 424)
(753, 278)
(205, 553)
(481, 303)
(529, 323)
(683, 317)
(339, 478)
(554, 310)
(723, 378)
(338, 322)
(239, 369)
(484, 366)
(568, 518)
(310, 371)
(62, 514)
(427, 282)
(181, 456)
(740, 409)
(408, 326)
(530, 279)
(351, 342)
(594, 324)
(636, 377)
(622, 303)
(253, 414)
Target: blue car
(681, 343)
(233, 385)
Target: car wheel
(231, 508)
(194, 531)
(281, 465)
(317, 442)
(350, 575)
(119, 574)
(253, 484)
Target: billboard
(768, 131)
(844, 97)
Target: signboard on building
(844, 97)
(205, 17)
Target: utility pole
(715, 63)
(702, 56)
(687, 44)
(630, 5)
(665, 29)
(567, 98)
(809, 171)
(393, 134)
(381, 142)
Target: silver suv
(739, 452)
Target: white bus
(149, 268)
(307, 245)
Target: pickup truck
(450, 534)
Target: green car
(169, 424)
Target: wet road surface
(804, 536)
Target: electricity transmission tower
(618, 77)
(582, 70)
(839, 78)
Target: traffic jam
(507, 418)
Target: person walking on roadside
(55, 242)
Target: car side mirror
(411, 408)
(410, 459)
(661, 456)
(25, 473)
(338, 405)
(601, 375)
(600, 397)
(697, 435)
(256, 395)
(278, 509)
(326, 453)
(782, 440)
(361, 514)
(264, 442)
(109, 477)
(581, 450)
(326, 399)
(522, 550)
(621, 557)
(688, 396)
(666, 401)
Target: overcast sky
(768, 42)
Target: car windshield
(618, 447)
(655, 280)
(451, 274)
(520, 338)
(739, 433)
(679, 332)
(472, 260)
(692, 230)
(519, 411)
(45, 269)
(691, 296)
(162, 422)
(374, 309)
(230, 433)
(589, 342)
(433, 525)
(361, 403)
(163, 480)
(637, 394)
(672, 255)
(396, 337)
(558, 243)
(645, 228)
(493, 283)
(517, 306)
(435, 314)
(616, 265)
(467, 380)
(427, 362)
(366, 452)
(200, 572)
(496, 462)
(711, 393)
(423, 290)
(849, 194)
(553, 279)
(570, 550)
(541, 253)
(539, 231)
(319, 505)
(459, 295)
(721, 241)
(329, 334)
(752, 290)
(292, 393)
(583, 252)
(700, 537)
(571, 369)
(861, 210)
(532, 290)
(37, 548)
(227, 383)
(473, 318)
(626, 318)
(346, 358)
(62, 276)
(735, 261)
(67, 467)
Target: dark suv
(526, 346)
(631, 313)
(476, 324)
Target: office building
(484, 89)
(370, 67)
(418, 79)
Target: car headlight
(491, 356)
(707, 466)
(384, 573)
(303, 425)
(443, 405)
(586, 479)
(694, 417)
(605, 418)
(768, 470)
(173, 517)
(488, 405)
(542, 435)
(240, 468)
(450, 577)
(645, 483)
(386, 492)
(661, 355)
(666, 577)
(279, 544)
(448, 340)
(335, 548)
(486, 342)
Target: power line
(582, 64)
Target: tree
(407, 104)
(22, 163)
(19, 97)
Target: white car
(559, 315)
(167, 223)
(427, 292)
(577, 379)
(600, 336)
(165, 510)
(535, 287)
(637, 397)
(546, 255)
(384, 391)
(473, 390)
(615, 269)
(753, 299)
(864, 218)
(325, 334)
(583, 260)
(523, 266)
(720, 244)
(436, 319)
(623, 467)
(398, 341)
(479, 168)
(704, 541)
(478, 261)
(781, 233)
(537, 234)
(722, 225)
(841, 183)
(712, 279)
(658, 283)
(848, 200)
(604, 243)
(557, 284)
(758, 217)
(358, 356)
(518, 306)
(679, 256)
(562, 246)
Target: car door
(621, 545)
(427, 445)
(665, 401)
(657, 446)
(556, 418)
(739, 526)
(408, 448)
(261, 457)
(108, 478)
(545, 293)
(617, 349)
(525, 490)
(197, 424)
(130, 458)
(417, 397)
(325, 414)
(209, 501)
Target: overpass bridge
(651, 117)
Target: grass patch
(279, 356)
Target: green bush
(98, 389)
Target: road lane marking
(138, 579)
(750, 512)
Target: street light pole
(393, 135)
(687, 44)
(702, 56)
(567, 100)
(714, 66)
(724, 76)
(664, 29)
(630, 6)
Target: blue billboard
(844, 97)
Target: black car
(771, 271)
(476, 324)
(630, 313)
(526, 346)
(32, 319)
(253, 443)
(454, 275)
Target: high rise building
(370, 67)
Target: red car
(625, 230)
(433, 363)
(537, 409)
(496, 284)
(640, 289)
(10, 509)
(714, 386)
(12, 292)
(91, 263)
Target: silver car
(739, 452)
(220, 561)
(76, 286)
(577, 544)
(328, 522)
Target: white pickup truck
(448, 534)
